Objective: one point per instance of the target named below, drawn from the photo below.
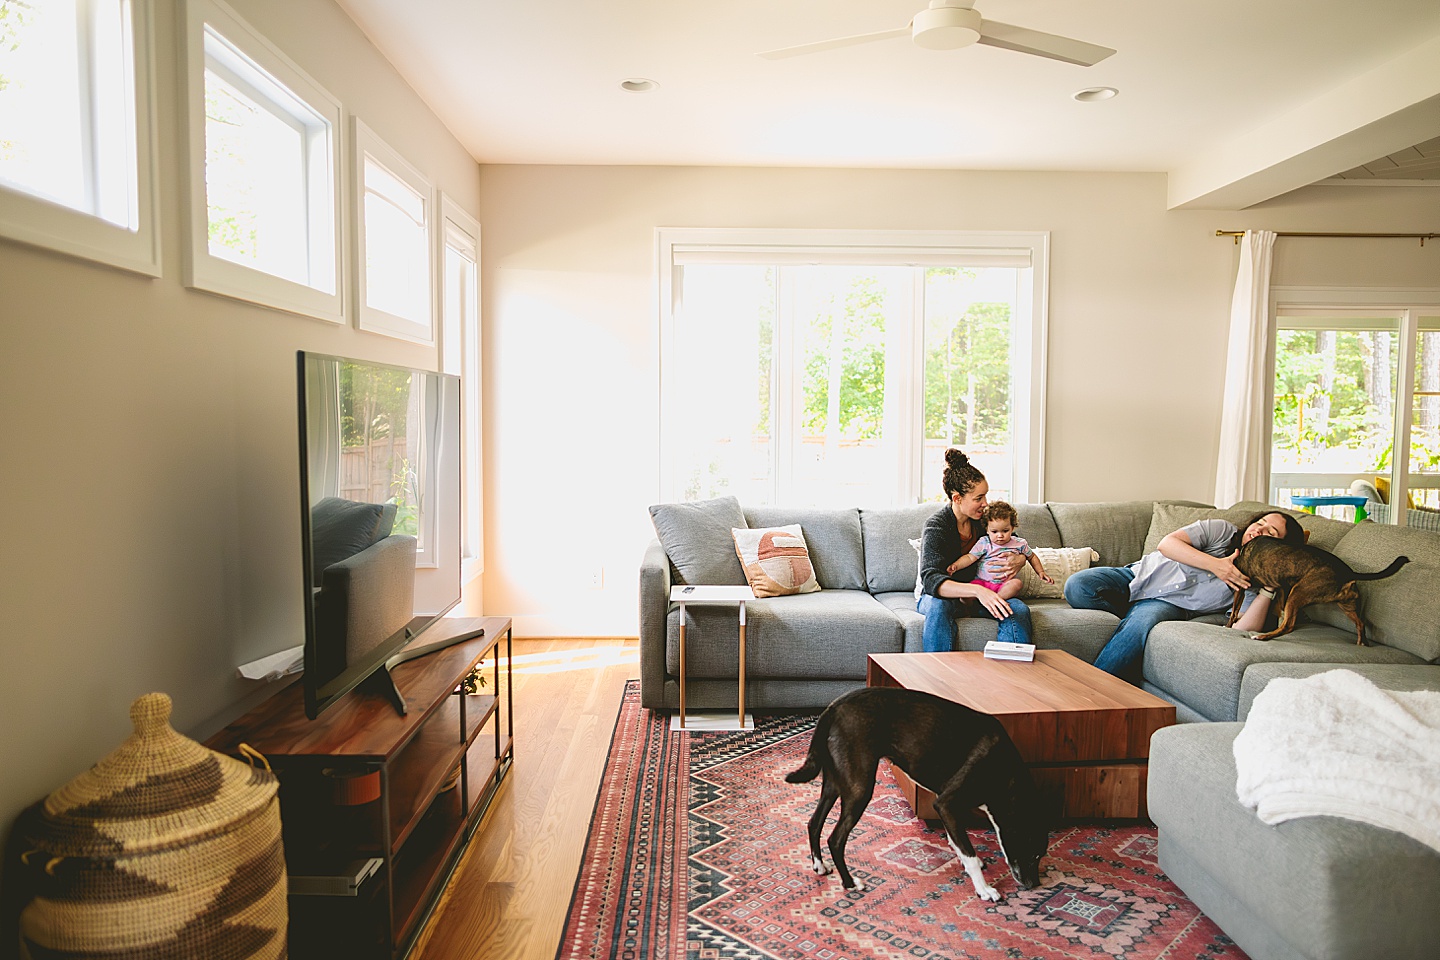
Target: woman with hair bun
(947, 592)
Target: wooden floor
(507, 899)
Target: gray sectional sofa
(1316, 888)
(807, 649)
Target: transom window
(258, 141)
(76, 166)
(264, 170)
(67, 124)
(813, 368)
(395, 220)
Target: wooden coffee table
(1077, 727)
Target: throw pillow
(776, 560)
(919, 584)
(696, 538)
(1061, 563)
(1169, 517)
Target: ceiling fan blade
(1010, 37)
(823, 45)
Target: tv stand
(383, 683)
(377, 806)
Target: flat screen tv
(380, 519)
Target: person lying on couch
(1190, 575)
(949, 534)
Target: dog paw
(988, 893)
(819, 866)
(859, 886)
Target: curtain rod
(1422, 237)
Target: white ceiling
(1237, 99)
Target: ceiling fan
(951, 24)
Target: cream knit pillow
(1060, 563)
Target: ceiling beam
(1378, 113)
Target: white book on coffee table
(1000, 650)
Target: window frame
(213, 274)
(913, 247)
(460, 354)
(1406, 305)
(49, 225)
(365, 141)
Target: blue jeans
(1108, 589)
(942, 612)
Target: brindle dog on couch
(1301, 575)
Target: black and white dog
(965, 757)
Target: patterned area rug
(697, 850)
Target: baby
(993, 549)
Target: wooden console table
(376, 807)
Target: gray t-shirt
(1157, 577)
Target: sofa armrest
(654, 610)
(1386, 676)
(365, 600)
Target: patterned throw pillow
(919, 583)
(1061, 563)
(776, 560)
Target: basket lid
(158, 790)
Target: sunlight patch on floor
(560, 661)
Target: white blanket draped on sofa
(1336, 745)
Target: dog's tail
(1389, 571)
(809, 771)
(811, 768)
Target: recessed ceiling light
(1091, 94)
(638, 85)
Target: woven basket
(164, 849)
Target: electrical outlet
(597, 577)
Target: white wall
(1139, 300)
(149, 452)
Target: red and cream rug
(697, 850)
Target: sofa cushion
(833, 537)
(696, 536)
(1202, 664)
(1080, 633)
(776, 560)
(823, 635)
(1311, 887)
(1166, 518)
(1037, 526)
(1323, 532)
(1398, 611)
(1116, 531)
(902, 606)
(890, 561)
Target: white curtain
(1243, 470)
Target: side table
(712, 595)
